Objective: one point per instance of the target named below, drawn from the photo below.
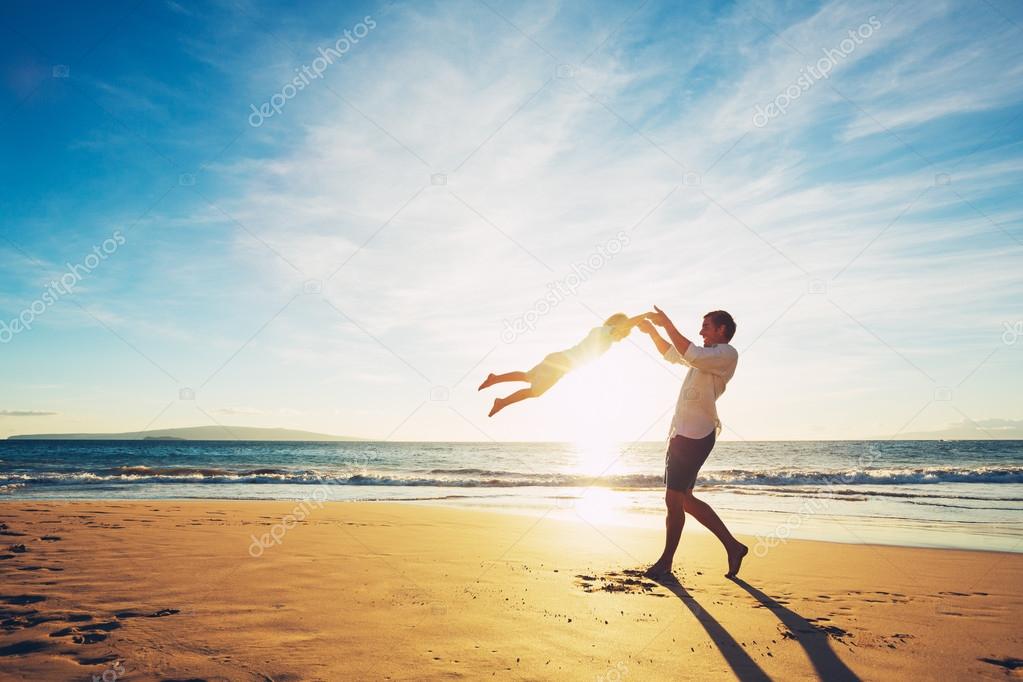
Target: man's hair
(720, 318)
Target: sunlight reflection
(597, 455)
(600, 506)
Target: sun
(594, 413)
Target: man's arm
(680, 342)
(647, 328)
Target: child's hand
(657, 317)
(645, 326)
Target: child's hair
(616, 320)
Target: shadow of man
(812, 638)
(744, 667)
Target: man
(694, 428)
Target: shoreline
(168, 588)
(823, 527)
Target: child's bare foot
(489, 381)
(499, 405)
(735, 556)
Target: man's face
(712, 334)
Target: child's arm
(633, 321)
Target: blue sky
(349, 264)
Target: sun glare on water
(598, 464)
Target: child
(555, 365)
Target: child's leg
(501, 378)
(515, 397)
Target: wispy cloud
(27, 413)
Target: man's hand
(680, 342)
(658, 317)
(648, 327)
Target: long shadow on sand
(744, 667)
(812, 638)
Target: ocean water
(966, 494)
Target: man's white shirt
(710, 368)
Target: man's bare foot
(658, 570)
(499, 405)
(488, 382)
(735, 556)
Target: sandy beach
(162, 590)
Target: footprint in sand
(139, 614)
(29, 618)
(28, 646)
(91, 627)
(97, 660)
(629, 581)
(893, 641)
(832, 631)
(6, 530)
(22, 599)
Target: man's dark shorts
(683, 460)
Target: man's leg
(674, 521)
(706, 515)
